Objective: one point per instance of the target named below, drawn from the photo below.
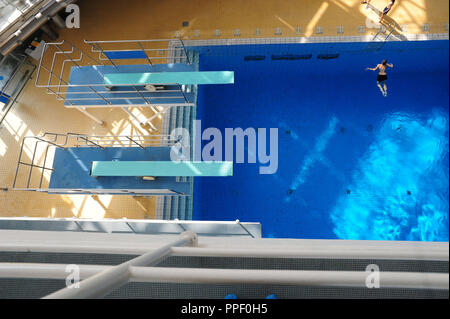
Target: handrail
(408, 280)
(96, 47)
(99, 280)
(114, 277)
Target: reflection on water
(399, 190)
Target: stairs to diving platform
(180, 207)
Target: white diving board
(182, 78)
(161, 168)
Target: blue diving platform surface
(125, 55)
(161, 168)
(88, 79)
(199, 77)
(71, 171)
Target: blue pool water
(352, 163)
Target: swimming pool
(352, 163)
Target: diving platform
(183, 78)
(161, 168)
(77, 78)
(72, 172)
(88, 87)
(61, 164)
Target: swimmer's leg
(385, 89)
(381, 88)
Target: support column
(83, 110)
(146, 125)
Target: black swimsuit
(381, 77)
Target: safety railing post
(184, 95)
(132, 140)
(185, 51)
(244, 228)
(89, 141)
(102, 53)
(65, 53)
(146, 56)
(141, 95)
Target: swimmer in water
(382, 77)
(385, 11)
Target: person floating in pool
(382, 77)
(385, 11)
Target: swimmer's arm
(373, 69)
(390, 65)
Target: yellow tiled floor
(36, 112)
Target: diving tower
(60, 164)
(115, 165)
(157, 74)
(77, 78)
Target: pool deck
(36, 112)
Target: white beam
(82, 242)
(236, 276)
(288, 277)
(106, 281)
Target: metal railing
(29, 175)
(58, 58)
(147, 47)
(113, 277)
(100, 280)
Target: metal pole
(132, 140)
(102, 53)
(104, 99)
(18, 163)
(146, 56)
(342, 252)
(32, 164)
(141, 95)
(185, 52)
(411, 280)
(130, 114)
(43, 165)
(288, 277)
(184, 96)
(246, 230)
(65, 53)
(106, 281)
(86, 140)
(83, 110)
